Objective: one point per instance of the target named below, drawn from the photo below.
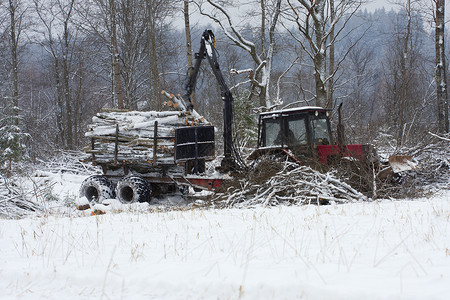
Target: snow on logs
(119, 136)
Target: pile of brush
(272, 183)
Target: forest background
(62, 61)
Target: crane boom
(207, 50)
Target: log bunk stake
(155, 142)
(116, 145)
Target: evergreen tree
(12, 142)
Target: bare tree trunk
(60, 103)
(155, 83)
(263, 29)
(67, 92)
(404, 74)
(117, 77)
(270, 53)
(441, 71)
(187, 30)
(15, 64)
(113, 76)
(331, 58)
(320, 56)
(77, 108)
(127, 24)
(154, 65)
(60, 138)
(263, 89)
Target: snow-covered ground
(372, 250)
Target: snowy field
(373, 250)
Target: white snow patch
(377, 250)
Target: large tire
(133, 189)
(97, 188)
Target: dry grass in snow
(376, 250)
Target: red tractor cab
(303, 134)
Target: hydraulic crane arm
(208, 50)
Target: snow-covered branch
(278, 99)
(261, 76)
(439, 137)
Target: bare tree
(12, 136)
(15, 22)
(441, 67)
(132, 25)
(405, 77)
(158, 12)
(331, 57)
(187, 30)
(49, 44)
(316, 23)
(98, 20)
(359, 74)
(260, 76)
(58, 41)
(130, 32)
(16, 16)
(66, 12)
(116, 62)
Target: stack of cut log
(121, 136)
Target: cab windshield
(295, 130)
(293, 133)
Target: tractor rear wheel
(97, 188)
(133, 189)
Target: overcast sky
(374, 4)
(199, 20)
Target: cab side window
(272, 131)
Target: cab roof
(296, 109)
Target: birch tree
(262, 53)
(317, 27)
(441, 66)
